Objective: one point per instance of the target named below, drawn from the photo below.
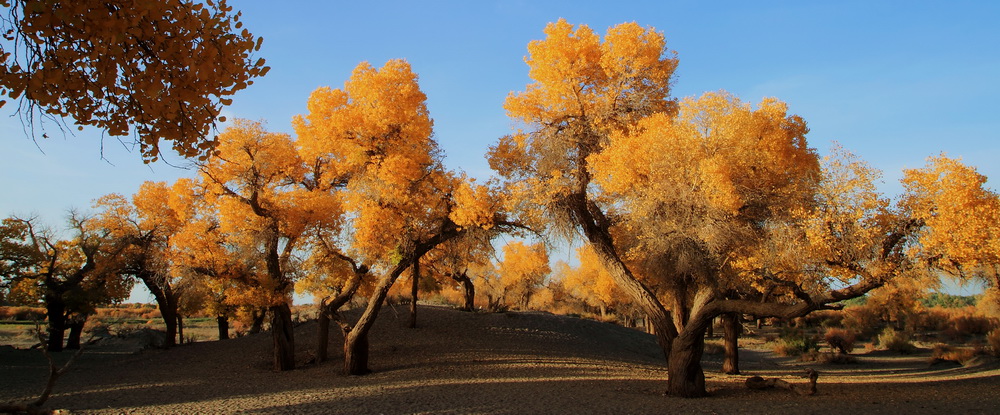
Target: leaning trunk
(356, 352)
(685, 377)
(167, 302)
(283, 337)
(223, 327)
(730, 337)
(75, 332)
(55, 309)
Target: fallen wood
(758, 383)
(35, 407)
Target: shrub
(22, 313)
(993, 340)
(841, 340)
(796, 343)
(962, 355)
(896, 341)
(837, 358)
(971, 324)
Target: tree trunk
(257, 324)
(604, 312)
(730, 336)
(323, 334)
(167, 302)
(470, 294)
(180, 329)
(75, 332)
(169, 316)
(283, 337)
(223, 327)
(356, 353)
(685, 377)
(414, 288)
(55, 309)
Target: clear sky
(893, 81)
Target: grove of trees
(688, 209)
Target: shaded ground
(458, 363)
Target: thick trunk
(730, 336)
(223, 327)
(166, 301)
(55, 309)
(75, 332)
(685, 377)
(169, 315)
(283, 337)
(322, 334)
(414, 288)
(356, 353)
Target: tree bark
(75, 332)
(322, 334)
(356, 353)
(283, 337)
(55, 309)
(223, 322)
(414, 288)
(730, 336)
(685, 377)
(167, 302)
(470, 293)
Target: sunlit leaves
(161, 70)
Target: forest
(686, 215)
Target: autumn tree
(460, 260)
(158, 69)
(591, 283)
(72, 276)
(370, 144)
(675, 199)
(251, 182)
(145, 225)
(519, 274)
(961, 236)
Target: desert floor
(462, 363)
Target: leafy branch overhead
(157, 69)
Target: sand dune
(459, 363)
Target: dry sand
(461, 363)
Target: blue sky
(893, 81)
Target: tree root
(758, 383)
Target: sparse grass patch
(795, 342)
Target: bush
(960, 355)
(896, 341)
(993, 340)
(796, 343)
(841, 340)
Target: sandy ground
(462, 363)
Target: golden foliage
(162, 69)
